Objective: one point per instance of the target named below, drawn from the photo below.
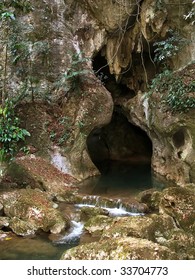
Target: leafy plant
(52, 135)
(10, 131)
(177, 95)
(23, 5)
(168, 48)
(63, 138)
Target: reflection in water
(122, 180)
(38, 248)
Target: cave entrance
(122, 152)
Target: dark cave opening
(121, 151)
(137, 76)
(101, 70)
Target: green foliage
(22, 5)
(52, 135)
(160, 4)
(7, 16)
(64, 137)
(168, 48)
(10, 131)
(177, 95)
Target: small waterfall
(131, 207)
(73, 236)
(113, 212)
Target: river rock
(181, 242)
(127, 248)
(31, 210)
(179, 203)
(151, 198)
(89, 212)
(97, 224)
(146, 227)
(4, 222)
(6, 236)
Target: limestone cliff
(53, 55)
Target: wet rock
(179, 203)
(97, 224)
(4, 222)
(6, 236)
(89, 212)
(130, 204)
(31, 210)
(127, 248)
(151, 198)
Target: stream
(122, 182)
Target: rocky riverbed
(96, 226)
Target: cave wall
(172, 137)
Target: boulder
(179, 203)
(97, 224)
(30, 210)
(127, 248)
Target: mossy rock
(147, 227)
(97, 224)
(151, 198)
(31, 210)
(90, 212)
(22, 228)
(181, 242)
(179, 203)
(127, 248)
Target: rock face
(49, 62)
(39, 173)
(172, 136)
(29, 210)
